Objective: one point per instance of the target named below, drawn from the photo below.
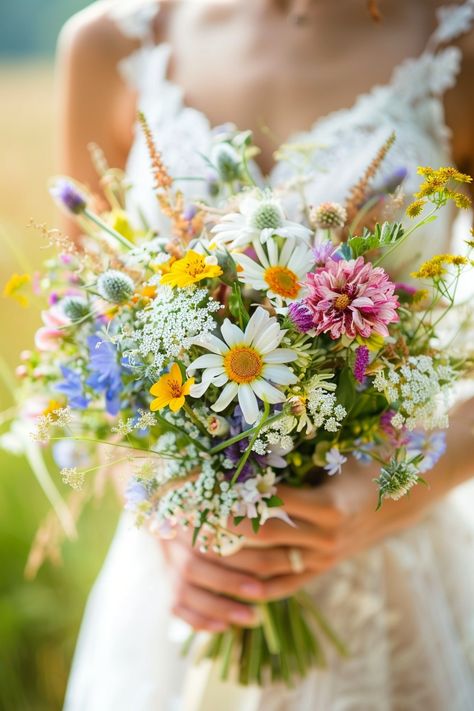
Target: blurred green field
(39, 619)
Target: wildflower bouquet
(237, 349)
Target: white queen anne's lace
(166, 328)
(419, 390)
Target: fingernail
(243, 617)
(251, 589)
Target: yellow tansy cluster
(436, 266)
(435, 189)
(193, 267)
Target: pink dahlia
(351, 298)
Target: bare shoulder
(95, 33)
(92, 35)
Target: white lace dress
(405, 607)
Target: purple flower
(73, 388)
(190, 212)
(69, 196)
(324, 251)
(135, 494)
(432, 446)
(334, 460)
(362, 356)
(105, 372)
(407, 288)
(301, 316)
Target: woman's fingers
(312, 505)
(270, 562)
(215, 576)
(198, 621)
(274, 532)
(215, 607)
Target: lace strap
(135, 18)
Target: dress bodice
(344, 142)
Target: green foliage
(384, 235)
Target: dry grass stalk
(358, 194)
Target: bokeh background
(39, 619)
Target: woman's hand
(333, 522)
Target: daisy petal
(232, 333)
(226, 396)
(281, 355)
(210, 360)
(280, 374)
(248, 403)
(267, 392)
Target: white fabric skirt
(405, 609)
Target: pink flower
(49, 336)
(351, 298)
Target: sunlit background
(39, 619)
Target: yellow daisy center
(282, 281)
(243, 364)
(342, 302)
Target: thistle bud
(227, 162)
(328, 216)
(75, 307)
(115, 286)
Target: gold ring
(296, 561)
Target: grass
(39, 619)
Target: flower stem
(243, 435)
(246, 454)
(104, 226)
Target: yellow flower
(53, 406)
(415, 208)
(13, 288)
(190, 269)
(431, 269)
(170, 390)
(119, 221)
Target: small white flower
(245, 362)
(334, 460)
(279, 271)
(260, 217)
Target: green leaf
(346, 389)
(255, 525)
(274, 501)
(238, 519)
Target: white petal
(268, 338)
(248, 403)
(281, 355)
(267, 392)
(272, 250)
(286, 252)
(258, 322)
(226, 396)
(231, 333)
(260, 253)
(210, 360)
(211, 343)
(280, 374)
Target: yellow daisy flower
(193, 267)
(170, 390)
(14, 286)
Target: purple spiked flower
(301, 316)
(361, 362)
(66, 193)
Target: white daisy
(245, 362)
(260, 216)
(280, 272)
